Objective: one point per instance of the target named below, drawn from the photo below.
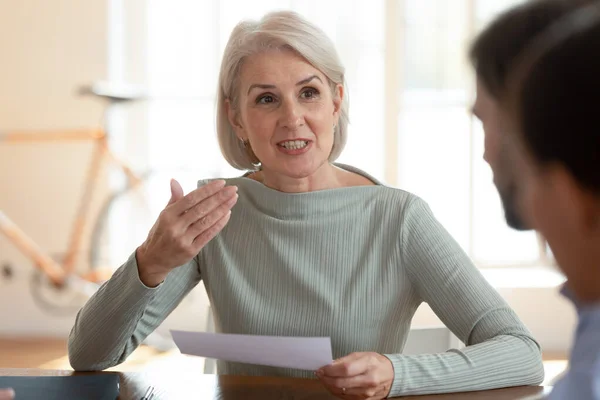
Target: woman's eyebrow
(270, 86)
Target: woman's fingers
(361, 375)
(203, 210)
(7, 394)
(176, 192)
(191, 199)
(208, 234)
(206, 222)
(364, 380)
(185, 226)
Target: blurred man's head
(554, 101)
(494, 54)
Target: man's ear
(338, 97)
(590, 204)
(583, 204)
(233, 117)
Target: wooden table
(177, 384)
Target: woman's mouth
(294, 146)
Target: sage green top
(350, 263)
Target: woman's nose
(292, 117)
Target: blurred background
(410, 87)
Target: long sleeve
(123, 312)
(352, 264)
(499, 351)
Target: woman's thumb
(176, 192)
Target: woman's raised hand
(186, 225)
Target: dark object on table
(89, 387)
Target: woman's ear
(233, 117)
(338, 97)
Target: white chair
(430, 340)
(210, 364)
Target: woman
(554, 103)
(311, 248)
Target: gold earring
(250, 153)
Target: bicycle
(60, 276)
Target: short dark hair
(497, 48)
(558, 98)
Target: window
(440, 143)
(436, 144)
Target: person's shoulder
(581, 381)
(596, 376)
(396, 195)
(406, 206)
(400, 198)
(395, 202)
(586, 352)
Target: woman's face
(287, 112)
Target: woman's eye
(266, 99)
(310, 93)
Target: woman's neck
(325, 177)
(328, 176)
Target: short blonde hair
(276, 30)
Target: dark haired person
(494, 54)
(554, 104)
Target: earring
(250, 153)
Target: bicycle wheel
(60, 301)
(128, 215)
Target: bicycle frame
(58, 273)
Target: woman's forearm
(506, 360)
(122, 313)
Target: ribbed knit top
(350, 263)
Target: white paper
(309, 353)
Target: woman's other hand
(7, 394)
(364, 375)
(186, 225)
